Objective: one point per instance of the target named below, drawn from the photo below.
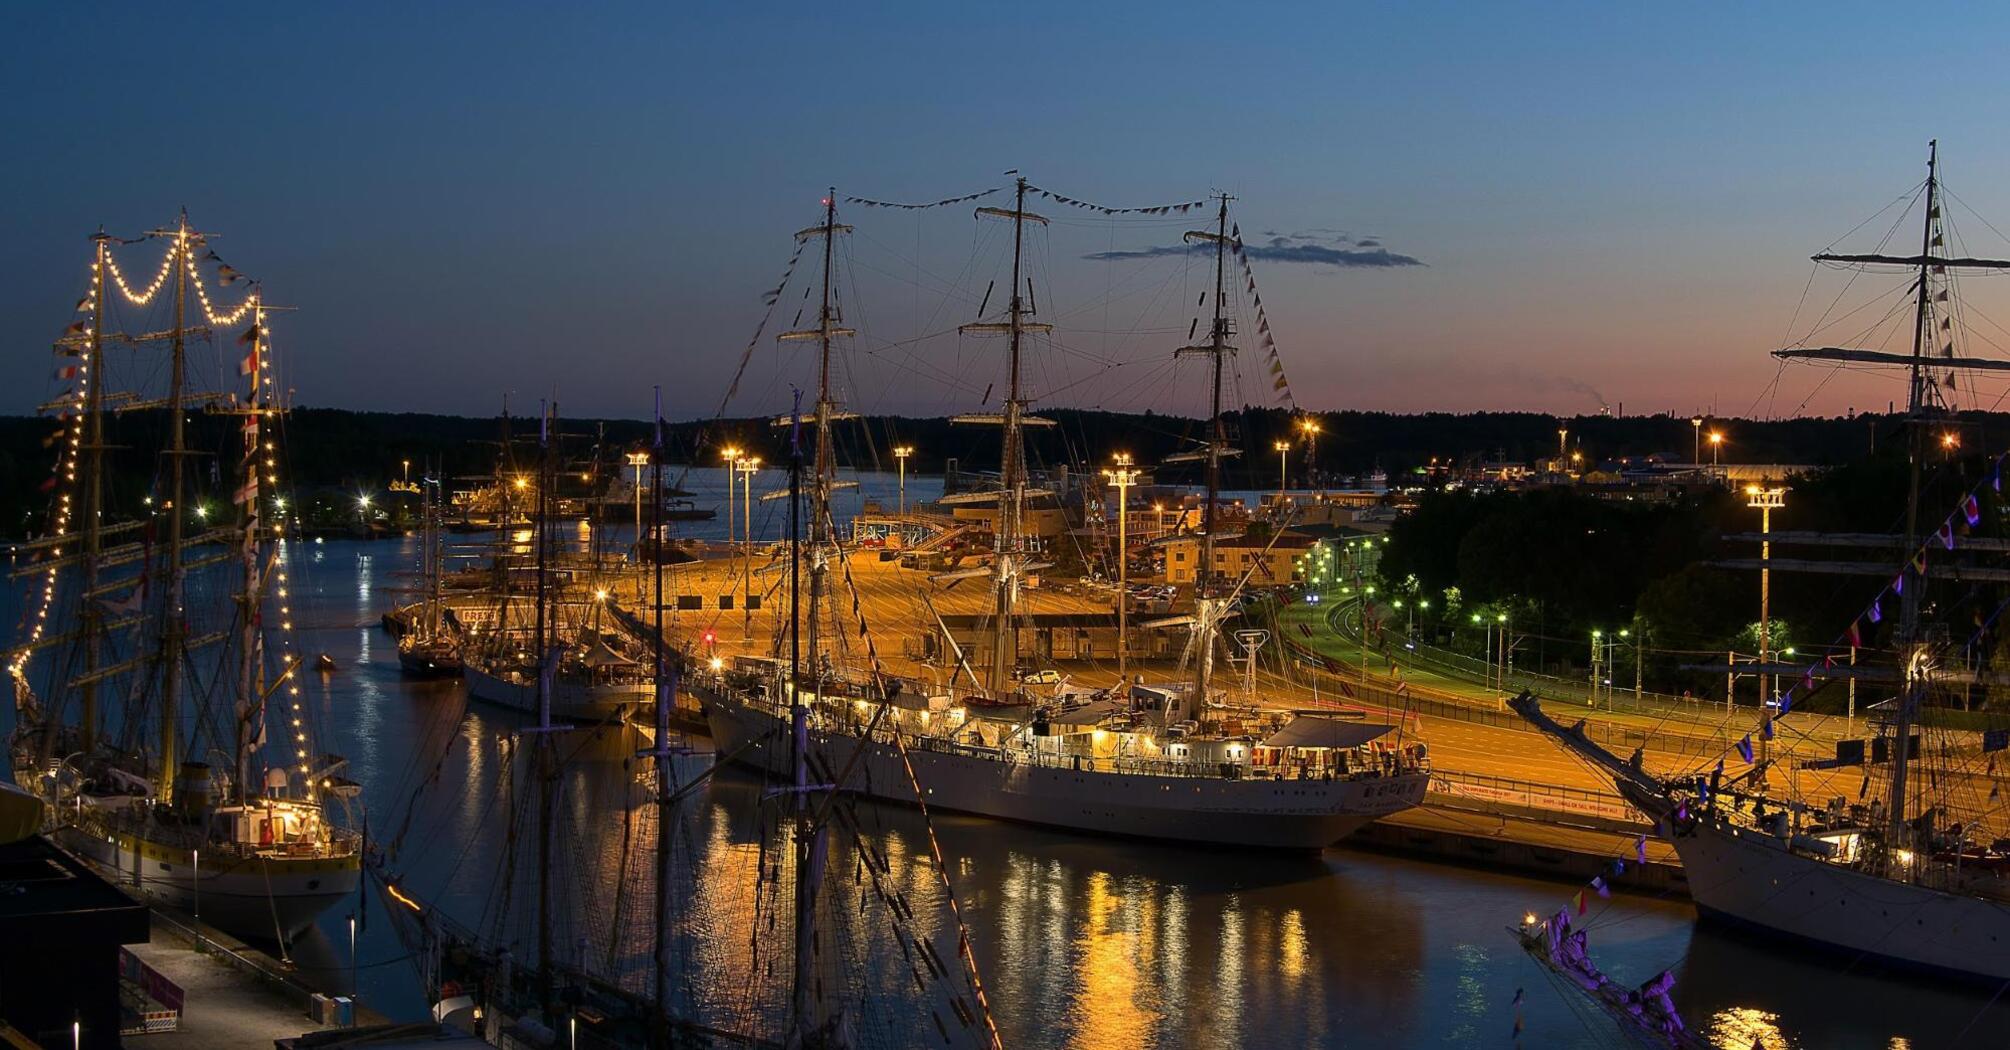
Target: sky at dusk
(1544, 207)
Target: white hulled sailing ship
(1914, 874)
(156, 685)
(1178, 762)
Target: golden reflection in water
(1228, 967)
(1291, 945)
(1172, 956)
(1107, 986)
(1746, 1027)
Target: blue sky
(1610, 203)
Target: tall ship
(1179, 761)
(431, 647)
(560, 641)
(157, 683)
(1897, 854)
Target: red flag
(1582, 903)
(249, 365)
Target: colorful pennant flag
(1745, 749)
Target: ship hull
(1751, 880)
(568, 699)
(250, 897)
(1299, 815)
(416, 663)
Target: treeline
(362, 451)
(1563, 562)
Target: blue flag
(1745, 748)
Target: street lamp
(1310, 428)
(1123, 477)
(900, 454)
(1696, 428)
(1716, 448)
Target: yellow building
(1272, 562)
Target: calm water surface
(1081, 942)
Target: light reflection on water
(1082, 942)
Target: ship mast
(1207, 604)
(665, 692)
(801, 987)
(545, 666)
(94, 489)
(1007, 561)
(172, 638)
(829, 328)
(1909, 640)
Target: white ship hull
(1750, 878)
(250, 897)
(1260, 813)
(569, 699)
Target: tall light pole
(900, 454)
(748, 466)
(1696, 425)
(1501, 623)
(1627, 633)
(1716, 449)
(1310, 428)
(1123, 477)
(1597, 643)
(1561, 434)
(1283, 471)
(1765, 501)
(638, 460)
(731, 454)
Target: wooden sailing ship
(160, 638)
(1174, 761)
(1914, 869)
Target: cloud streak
(1310, 248)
